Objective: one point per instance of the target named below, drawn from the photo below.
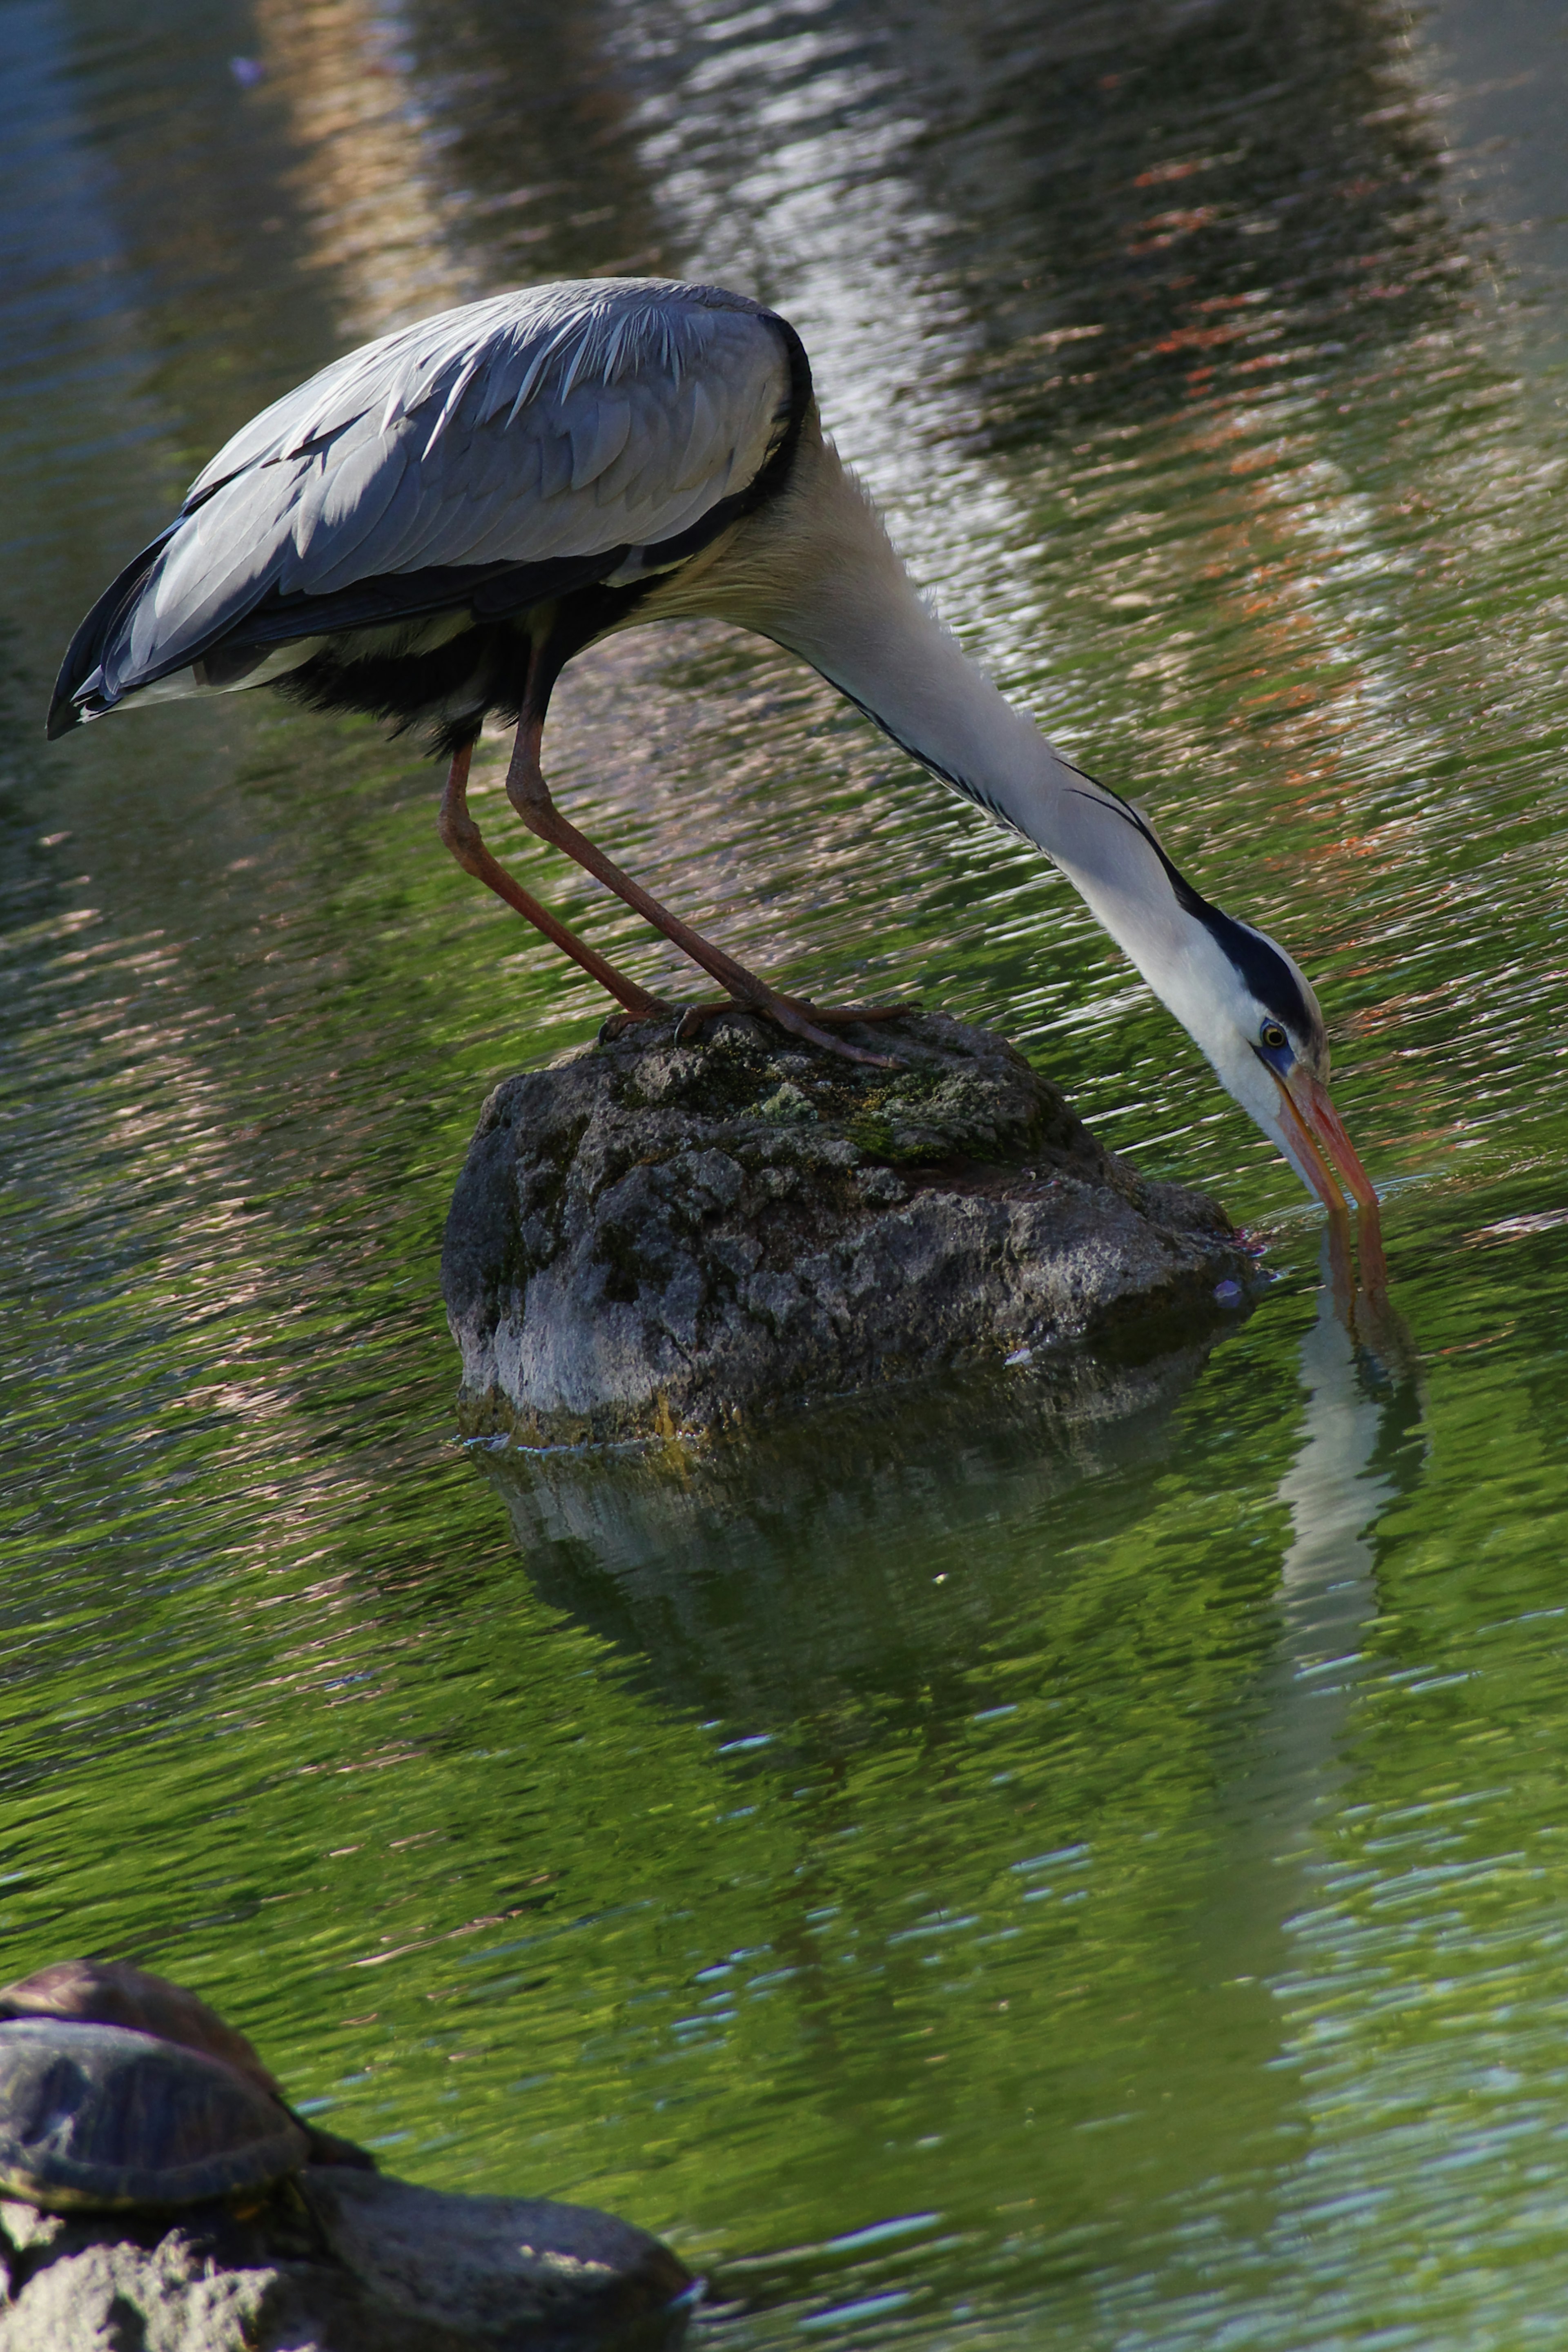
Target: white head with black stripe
(1244, 1000)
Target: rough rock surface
(653, 1236)
(339, 2261)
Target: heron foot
(615, 1024)
(797, 1018)
(840, 1016)
(804, 1019)
(794, 1015)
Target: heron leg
(463, 838)
(530, 795)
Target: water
(980, 1870)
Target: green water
(985, 1868)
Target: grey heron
(430, 528)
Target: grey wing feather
(565, 421)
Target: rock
(495, 2269)
(652, 1237)
(342, 2261)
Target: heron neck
(820, 576)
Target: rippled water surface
(990, 1867)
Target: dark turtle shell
(94, 2117)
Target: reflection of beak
(1313, 1124)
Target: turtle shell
(117, 1992)
(94, 2117)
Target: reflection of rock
(869, 1547)
(657, 1235)
(353, 2263)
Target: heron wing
(549, 434)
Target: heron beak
(1326, 1151)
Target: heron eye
(1274, 1036)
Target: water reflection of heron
(786, 1597)
(1358, 1368)
(431, 528)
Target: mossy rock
(656, 1236)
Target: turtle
(119, 2088)
(97, 2118)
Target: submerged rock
(339, 2261)
(653, 1237)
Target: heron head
(1257, 1019)
(1241, 998)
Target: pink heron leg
(464, 839)
(530, 795)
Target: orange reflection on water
(380, 218)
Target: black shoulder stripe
(924, 759)
(1186, 898)
(1257, 960)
